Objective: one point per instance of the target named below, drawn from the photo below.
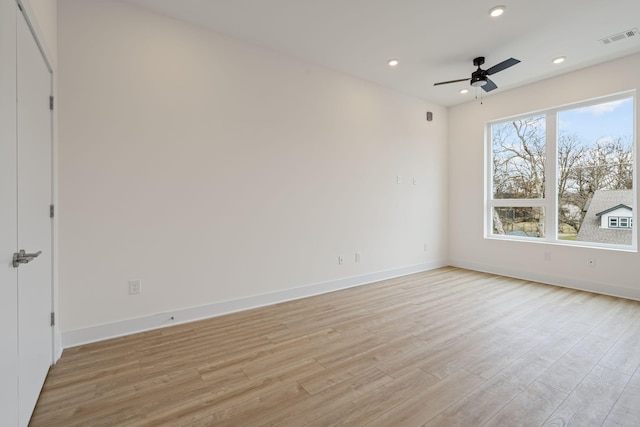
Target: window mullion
(551, 178)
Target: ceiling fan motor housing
(478, 61)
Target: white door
(34, 150)
(8, 221)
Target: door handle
(22, 257)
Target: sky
(611, 119)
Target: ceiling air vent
(620, 36)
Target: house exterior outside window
(608, 218)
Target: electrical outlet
(547, 256)
(340, 260)
(398, 179)
(357, 256)
(135, 287)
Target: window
(552, 176)
(619, 222)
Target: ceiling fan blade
(452, 81)
(489, 86)
(502, 66)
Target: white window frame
(550, 201)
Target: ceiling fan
(479, 77)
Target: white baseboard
(130, 326)
(562, 281)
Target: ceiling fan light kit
(478, 81)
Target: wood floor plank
(571, 369)
(325, 401)
(590, 403)
(626, 411)
(530, 408)
(624, 356)
(444, 347)
(496, 359)
(370, 406)
(356, 386)
(422, 407)
(484, 402)
(617, 324)
(555, 346)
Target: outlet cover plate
(135, 287)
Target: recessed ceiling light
(393, 62)
(494, 12)
(463, 91)
(559, 59)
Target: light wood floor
(442, 348)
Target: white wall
(214, 170)
(615, 272)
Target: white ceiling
(434, 40)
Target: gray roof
(602, 201)
(621, 205)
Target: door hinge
(53, 319)
(51, 211)
(51, 103)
